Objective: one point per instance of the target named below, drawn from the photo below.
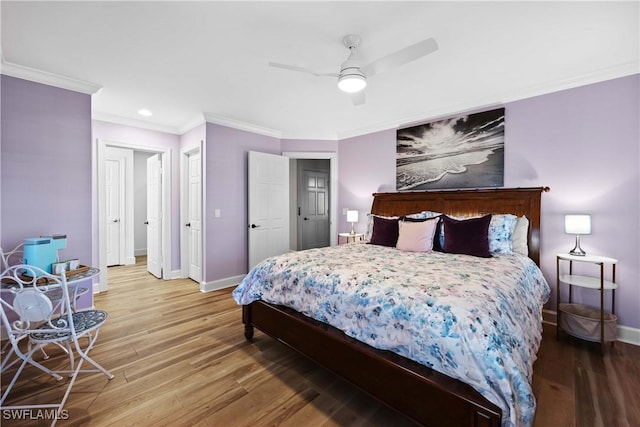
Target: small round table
(353, 236)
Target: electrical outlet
(216, 213)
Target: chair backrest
(30, 299)
(13, 256)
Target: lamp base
(577, 250)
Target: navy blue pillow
(468, 236)
(385, 232)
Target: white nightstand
(583, 321)
(348, 236)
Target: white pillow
(520, 234)
(416, 236)
(419, 215)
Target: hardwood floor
(180, 358)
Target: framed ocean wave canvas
(460, 152)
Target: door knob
(254, 226)
(116, 220)
(188, 224)
(146, 223)
(306, 219)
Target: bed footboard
(422, 394)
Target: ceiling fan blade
(357, 98)
(401, 57)
(301, 69)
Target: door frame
(333, 186)
(165, 249)
(184, 207)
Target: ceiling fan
(353, 75)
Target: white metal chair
(28, 311)
(7, 259)
(13, 256)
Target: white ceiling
(186, 61)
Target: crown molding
(51, 79)
(622, 70)
(311, 137)
(191, 124)
(240, 125)
(126, 121)
(610, 73)
(352, 133)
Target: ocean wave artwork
(460, 152)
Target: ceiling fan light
(352, 82)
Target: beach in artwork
(489, 172)
(463, 152)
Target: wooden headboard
(517, 201)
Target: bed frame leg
(248, 332)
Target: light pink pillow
(416, 236)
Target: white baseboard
(174, 274)
(220, 283)
(626, 334)
(629, 335)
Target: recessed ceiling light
(144, 112)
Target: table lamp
(578, 225)
(352, 217)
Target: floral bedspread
(475, 319)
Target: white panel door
(154, 217)
(114, 169)
(194, 217)
(268, 206)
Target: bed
(423, 380)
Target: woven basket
(583, 321)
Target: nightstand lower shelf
(583, 321)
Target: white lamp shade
(352, 216)
(577, 224)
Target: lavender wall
(192, 138)
(226, 153)
(583, 143)
(46, 166)
(366, 164)
(154, 141)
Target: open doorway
(313, 189)
(124, 171)
(312, 205)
